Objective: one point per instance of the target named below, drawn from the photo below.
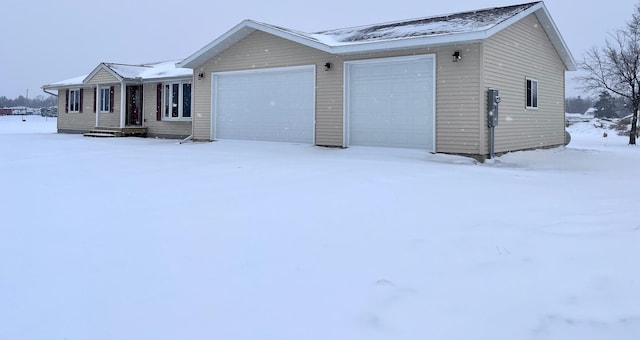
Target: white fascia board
(166, 79)
(58, 87)
(541, 12)
(247, 27)
(292, 36)
(237, 33)
(431, 41)
(240, 32)
(400, 44)
(512, 20)
(556, 39)
(386, 45)
(68, 83)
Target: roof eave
(538, 9)
(55, 87)
(556, 39)
(543, 15)
(238, 33)
(402, 44)
(163, 79)
(212, 49)
(247, 27)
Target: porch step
(99, 134)
(117, 132)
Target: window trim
(531, 96)
(105, 91)
(168, 95)
(71, 101)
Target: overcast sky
(49, 41)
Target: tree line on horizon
(605, 106)
(36, 102)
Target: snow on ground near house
(134, 238)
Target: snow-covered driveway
(148, 239)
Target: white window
(177, 101)
(74, 100)
(532, 93)
(105, 99)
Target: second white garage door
(390, 102)
(269, 105)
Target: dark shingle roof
(465, 22)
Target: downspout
(122, 104)
(96, 106)
(193, 82)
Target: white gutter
(49, 93)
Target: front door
(134, 105)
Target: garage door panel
(269, 105)
(390, 102)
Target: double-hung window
(177, 101)
(74, 100)
(532, 93)
(105, 99)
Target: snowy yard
(133, 238)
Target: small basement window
(532, 93)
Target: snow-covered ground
(134, 238)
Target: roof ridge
(396, 22)
(121, 64)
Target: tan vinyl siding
(523, 50)
(111, 119)
(102, 77)
(261, 50)
(329, 102)
(457, 103)
(76, 122)
(169, 129)
(457, 100)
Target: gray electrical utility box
(493, 99)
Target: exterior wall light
(327, 66)
(456, 56)
(200, 76)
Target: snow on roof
(465, 22)
(166, 69)
(148, 71)
(67, 82)
(428, 31)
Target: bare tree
(616, 68)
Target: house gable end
(549, 27)
(239, 32)
(102, 75)
(321, 41)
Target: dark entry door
(134, 105)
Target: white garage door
(269, 105)
(390, 102)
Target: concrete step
(99, 134)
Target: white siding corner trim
(390, 102)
